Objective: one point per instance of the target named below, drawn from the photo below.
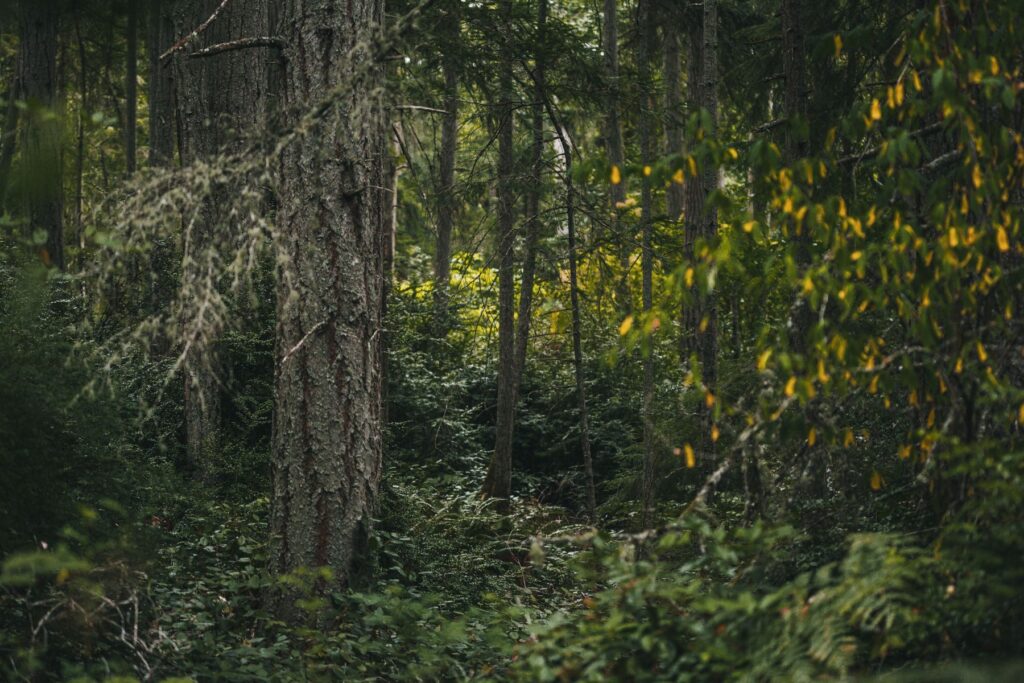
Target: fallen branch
(240, 44)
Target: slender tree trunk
(327, 417)
(693, 192)
(795, 144)
(41, 135)
(9, 135)
(446, 197)
(83, 109)
(674, 118)
(708, 332)
(219, 98)
(131, 86)
(614, 146)
(646, 39)
(498, 483)
(161, 85)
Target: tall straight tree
(498, 483)
(40, 132)
(326, 452)
(219, 97)
(131, 85)
(614, 145)
(646, 21)
(161, 85)
(446, 188)
(673, 115)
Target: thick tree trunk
(446, 198)
(131, 86)
(707, 333)
(41, 136)
(615, 148)
(693, 191)
(219, 98)
(646, 38)
(498, 483)
(327, 417)
(161, 85)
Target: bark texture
(41, 134)
(327, 417)
(615, 147)
(219, 99)
(674, 119)
(131, 86)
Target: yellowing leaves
(1002, 239)
(837, 41)
(677, 177)
(647, 171)
(691, 457)
(762, 360)
(876, 481)
(982, 353)
(790, 386)
(626, 326)
(976, 177)
(616, 175)
(876, 110)
(1020, 414)
(812, 437)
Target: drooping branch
(240, 44)
(195, 33)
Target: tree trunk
(708, 333)
(219, 98)
(41, 135)
(615, 147)
(161, 86)
(674, 119)
(446, 198)
(9, 135)
(646, 38)
(327, 417)
(498, 483)
(693, 191)
(131, 86)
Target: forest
(526, 340)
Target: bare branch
(199, 29)
(240, 44)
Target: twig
(240, 44)
(192, 36)
(316, 328)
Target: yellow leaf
(812, 436)
(616, 177)
(822, 375)
(876, 480)
(976, 177)
(709, 399)
(692, 164)
(993, 66)
(931, 418)
(959, 366)
(837, 40)
(808, 284)
(647, 171)
(715, 433)
(1002, 239)
(688, 277)
(762, 360)
(848, 438)
(733, 154)
(917, 81)
(954, 238)
(626, 325)
(790, 386)
(876, 110)
(1020, 414)
(691, 457)
(982, 354)
(748, 227)
(677, 177)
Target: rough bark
(693, 189)
(219, 99)
(327, 418)
(646, 38)
(446, 198)
(131, 86)
(41, 135)
(498, 483)
(708, 336)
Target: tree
(446, 184)
(326, 452)
(498, 483)
(161, 85)
(614, 146)
(221, 97)
(41, 131)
